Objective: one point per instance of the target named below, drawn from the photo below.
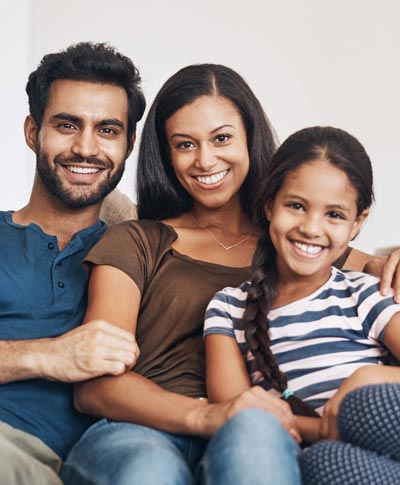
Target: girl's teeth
(308, 248)
(213, 179)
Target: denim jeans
(251, 448)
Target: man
(84, 105)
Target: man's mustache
(78, 160)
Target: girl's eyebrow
(338, 206)
(328, 206)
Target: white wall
(16, 168)
(309, 62)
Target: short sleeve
(218, 318)
(374, 310)
(224, 314)
(134, 247)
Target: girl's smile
(312, 219)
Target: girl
(301, 325)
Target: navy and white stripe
(318, 341)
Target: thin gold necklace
(216, 240)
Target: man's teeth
(308, 248)
(213, 179)
(74, 169)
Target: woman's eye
(296, 205)
(185, 145)
(222, 138)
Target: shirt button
(50, 246)
(60, 284)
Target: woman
(205, 144)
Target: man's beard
(77, 196)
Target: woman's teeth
(212, 179)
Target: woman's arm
(114, 297)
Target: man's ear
(131, 144)
(268, 209)
(358, 223)
(31, 132)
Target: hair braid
(260, 298)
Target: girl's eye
(335, 215)
(185, 145)
(222, 138)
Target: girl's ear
(268, 209)
(358, 224)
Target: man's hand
(91, 350)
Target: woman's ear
(358, 224)
(31, 132)
(269, 205)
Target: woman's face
(208, 148)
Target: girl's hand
(367, 375)
(209, 417)
(389, 271)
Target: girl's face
(312, 219)
(208, 147)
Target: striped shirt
(318, 341)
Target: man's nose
(85, 144)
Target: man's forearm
(23, 359)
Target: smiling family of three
(218, 205)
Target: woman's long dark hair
(346, 153)
(160, 195)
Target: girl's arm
(226, 370)
(114, 297)
(386, 268)
(227, 377)
(369, 374)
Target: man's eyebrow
(79, 120)
(66, 117)
(112, 122)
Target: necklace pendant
(223, 246)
